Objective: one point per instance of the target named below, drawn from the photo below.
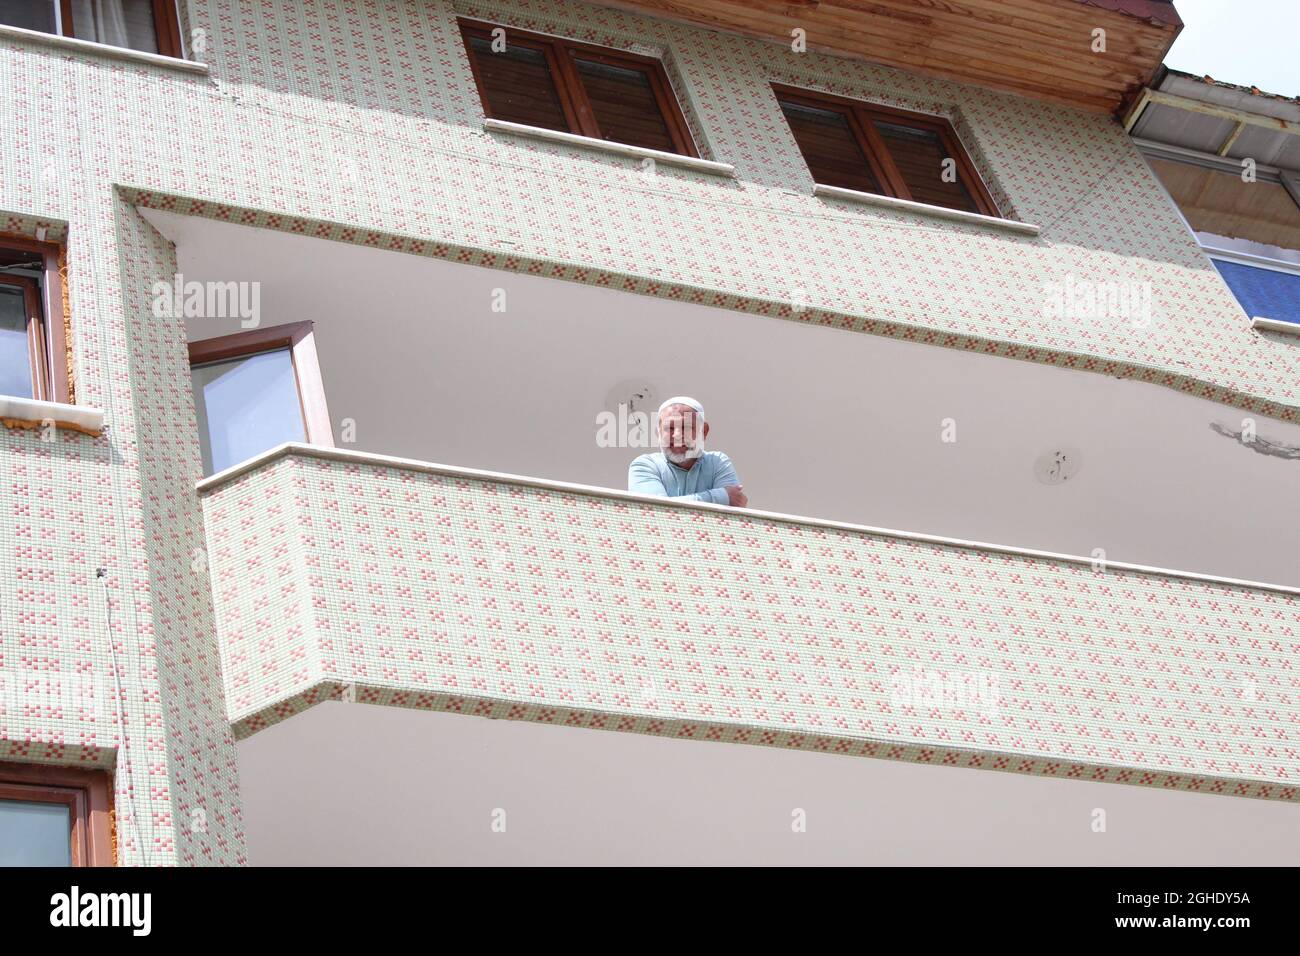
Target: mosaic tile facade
(123, 503)
(347, 579)
(359, 121)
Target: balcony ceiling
(1037, 48)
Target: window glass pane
(517, 84)
(245, 406)
(1263, 293)
(35, 834)
(919, 155)
(28, 14)
(830, 148)
(125, 23)
(15, 353)
(624, 104)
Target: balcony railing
(340, 575)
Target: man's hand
(736, 496)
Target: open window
(33, 356)
(557, 84)
(257, 389)
(54, 816)
(150, 26)
(889, 152)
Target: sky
(1248, 42)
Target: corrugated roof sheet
(1170, 75)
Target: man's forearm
(716, 496)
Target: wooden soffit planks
(1037, 48)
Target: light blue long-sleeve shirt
(706, 480)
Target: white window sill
(922, 209)
(30, 413)
(1274, 325)
(73, 45)
(707, 166)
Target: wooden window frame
(299, 339)
(578, 113)
(860, 116)
(46, 343)
(166, 26)
(86, 793)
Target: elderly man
(682, 468)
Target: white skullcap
(683, 400)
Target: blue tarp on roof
(1263, 293)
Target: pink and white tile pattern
(392, 585)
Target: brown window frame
(860, 114)
(46, 343)
(166, 26)
(559, 53)
(299, 339)
(86, 793)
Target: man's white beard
(678, 458)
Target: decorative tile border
(757, 736)
(54, 752)
(41, 228)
